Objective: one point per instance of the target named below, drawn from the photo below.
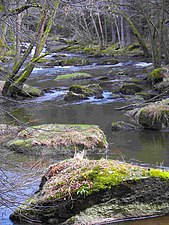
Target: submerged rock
(55, 139)
(82, 191)
(77, 92)
(153, 116)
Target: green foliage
(83, 191)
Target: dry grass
(156, 114)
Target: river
(139, 146)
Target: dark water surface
(139, 146)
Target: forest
(84, 93)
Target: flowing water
(139, 146)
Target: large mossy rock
(78, 92)
(73, 76)
(153, 116)
(130, 88)
(82, 191)
(30, 91)
(58, 139)
(27, 90)
(73, 61)
(163, 86)
(157, 75)
(111, 61)
(121, 125)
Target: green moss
(31, 91)
(133, 47)
(68, 179)
(73, 76)
(157, 74)
(81, 90)
(42, 60)
(1, 8)
(19, 144)
(159, 173)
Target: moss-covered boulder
(58, 139)
(130, 88)
(153, 116)
(157, 75)
(73, 76)
(146, 95)
(163, 86)
(82, 191)
(30, 91)
(78, 92)
(27, 90)
(111, 61)
(121, 125)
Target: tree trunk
(136, 33)
(18, 37)
(17, 81)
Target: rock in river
(58, 139)
(153, 116)
(78, 92)
(73, 76)
(82, 191)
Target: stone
(78, 92)
(58, 139)
(121, 125)
(111, 61)
(153, 116)
(130, 88)
(74, 76)
(31, 91)
(82, 191)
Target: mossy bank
(82, 191)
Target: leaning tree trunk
(136, 33)
(17, 81)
